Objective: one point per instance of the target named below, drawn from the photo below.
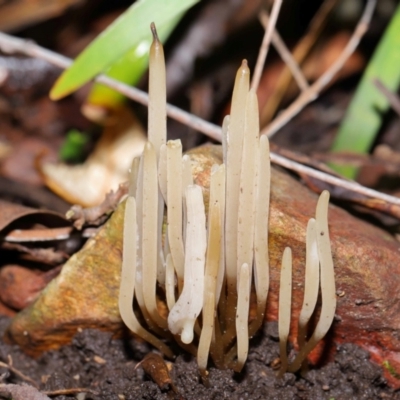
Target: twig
(314, 90)
(11, 44)
(262, 54)
(67, 392)
(350, 185)
(285, 54)
(393, 99)
(45, 255)
(45, 235)
(19, 374)
(300, 52)
(96, 215)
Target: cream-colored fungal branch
(225, 128)
(187, 177)
(285, 302)
(174, 210)
(157, 119)
(150, 234)
(169, 282)
(162, 172)
(261, 255)
(187, 180)
(183, 315)
(233, 164)
(217, 196)
(328, 288)
(247, 185)
(210, 284)
(311, 282)
(139, 262)
(133, 176)
(157, 128)
(190, 276)
(242, 316)
(128, 278)
(245, 227)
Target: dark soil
(107, 367)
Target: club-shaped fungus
(190, 279)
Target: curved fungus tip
(244, 67)
(187, 333)
(148, 146)
(154, 32)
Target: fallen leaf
(88, 183)
(19, 165)
(18, 14)
(13, 216)
(315, 65)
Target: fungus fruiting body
(192, 272)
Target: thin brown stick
(262, 54)
(393, 98)
(300, 52)
(11, 44)
(19, 374)
(67, 392)
(314, 90)
(96, 215)
(350, 185)
(285, 54)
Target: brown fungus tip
(154, 32)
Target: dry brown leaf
(15, 216)
(320, 59)
(19, 14)
(326, 54)
(105, 169)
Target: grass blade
(128, 69)
(129, 29)
(363, 119)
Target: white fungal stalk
(285, 301)
(174, 210)
(234, 144)
(328, 288)
(210, 284)
(183, 315)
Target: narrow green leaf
(128, 69)
(125, 32)
(364, 115)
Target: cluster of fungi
(188, 273)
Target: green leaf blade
(363, 119)
(129, 29)
(128, 69)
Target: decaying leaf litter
(360, 302)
